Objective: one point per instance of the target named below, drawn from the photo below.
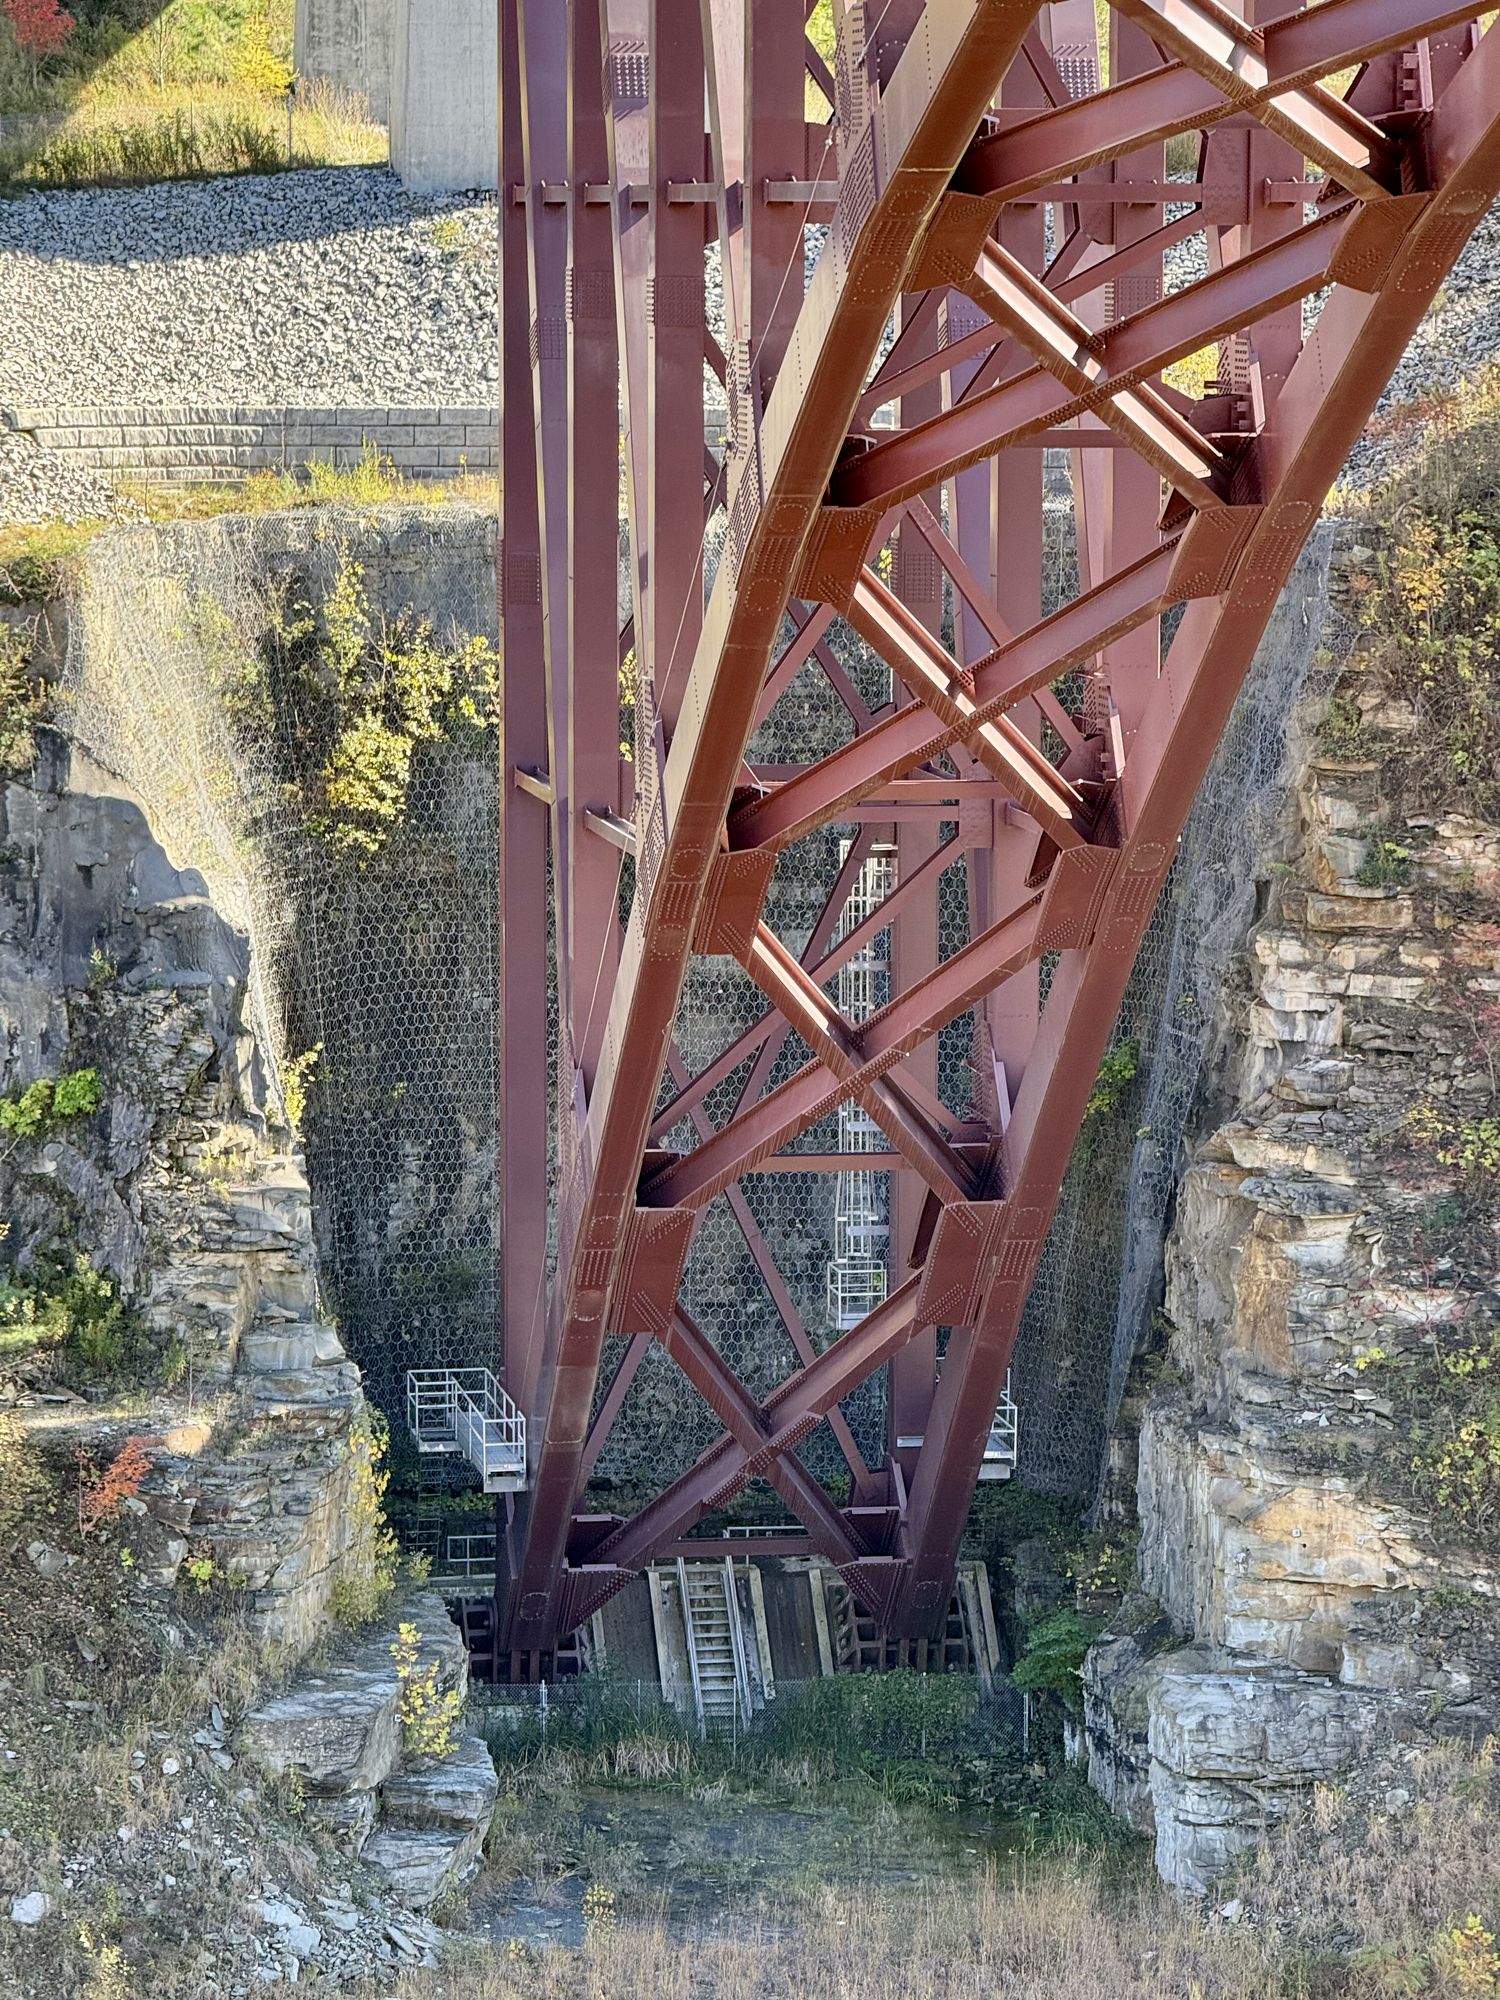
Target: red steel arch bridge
(917, 265)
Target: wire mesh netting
(383, 963)
(1100, 1276)
(371, 912)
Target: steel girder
(1005, 217)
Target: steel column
(1011, 218)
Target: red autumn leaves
(40, 27)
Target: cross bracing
(820, 333)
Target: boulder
(1233, 1752)
(454, 1791)
(419, 1863)
(338, 1731)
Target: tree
(40, 28)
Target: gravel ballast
(339, 289)
(38, 485)
(318, 288)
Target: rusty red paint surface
(1006, 218)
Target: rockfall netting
(298, 702)
(1100, 1278)
(374, 968)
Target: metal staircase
(715, 1642)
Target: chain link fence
(854, 1720)
(373, 990)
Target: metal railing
(469, 1555)
(1003, 1443)
(465, 1410)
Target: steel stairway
(715, 1642)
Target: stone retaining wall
(194, 445)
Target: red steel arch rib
(1006, 218)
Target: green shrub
(77, 1094)
(20, 705)
(45, 1107)
(1117, 1072)
(1468, 1146)
(347, 699)
(1342, 729)
(1445, 1442)
(1456, 1463)
(1431, 604)
(367, 1581)
(429, 1712)
(1387, 864)
(297, 1077)
(1053, 1660)
(72, 1316)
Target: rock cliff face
(114, 960)
(1310, 1576)
(418, 1820)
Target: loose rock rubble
(40, 485)
(312, 289)
(201, 1867)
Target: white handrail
(692, 1644)
(465, 1411)
(737, 1641)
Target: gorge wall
(1316, 1492)
(1318, 1568)
(185, 1197)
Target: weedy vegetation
(134, 93)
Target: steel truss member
(981, 191)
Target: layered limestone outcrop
(1301, 1597)
(182, 1189)
(419, 1821)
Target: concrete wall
(195, 446)
(444, 93)
(349, 43)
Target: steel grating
(799, 371)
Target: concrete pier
(444, 94)
(347, 42)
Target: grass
(1350, 1901)
(197, 133)
(193, 90)
(181, 132)
(898, 1738)
(35, 560)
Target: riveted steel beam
(1033, 735)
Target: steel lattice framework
(990, 212)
